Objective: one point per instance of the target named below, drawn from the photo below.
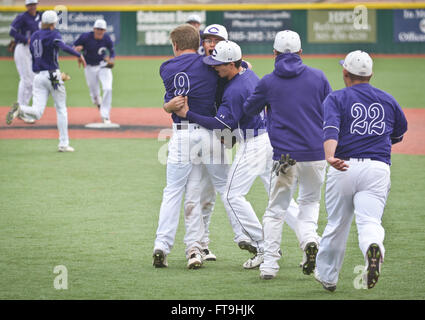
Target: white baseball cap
(287, 41)
(215, 30)
(49, 17)
(100, 24)
(224, 52)
(27, 2)
(194, 18)
(358, 62)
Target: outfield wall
(324, 28)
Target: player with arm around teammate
(185, 74)
(294, 94)
(94, 45)
(44, 46)
(251, 159)
(21, 29)
(361, 123)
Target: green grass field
(137, 82)
(95, 211)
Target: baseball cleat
(265, 276)
(13, 113)
(66, 149)
(254, 262)
(309, 262)
(194, 261)
(327, 286)
(106, 121)
(374, 265)
(26, 119)
(159, 259)
(207, 255)
(244, 245)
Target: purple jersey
(294, 94)
(24, 25)
(187, 75)
(95, 50)
(231, 113)
(365, 121)
(44, 47)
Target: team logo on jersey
(101, 51)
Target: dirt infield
(147, 123)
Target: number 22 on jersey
(367, 120)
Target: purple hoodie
(293, 93)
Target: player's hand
(82, 61)
(78, 48)
(174, 104)
(182, 112)
(337, 163)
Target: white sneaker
(207, 255)
(195, 260)
(26, 119)
(254, 262)
(106, 121)
(326, 285)
(266, 276)
(66, 149)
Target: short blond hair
(185, 37)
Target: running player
(361, 123)
(294, 93)
(94, 46)
(44, 46)
(21, 29)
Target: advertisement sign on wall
(154, 27)
(72, 24)
(255, 26)
(341, 26)
(409, 25)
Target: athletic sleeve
(257, 100)
(230, 111)
(59, 42)
(400, 125)
(111, 48)
(327, 88)
(331, 117)
(14, 30)
(80, 41)
(210, 123)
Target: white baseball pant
(96, 75)
(253, 159)
(361, 191)
(310, 176)
(42, 87)
(189, 150)
(23, 61)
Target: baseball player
(44, 46)
(212, 35)
(191, 147)
(185, 74)
(21, 29)
(294, 93)
(361, 123)
(251, 158)
(94, 46)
